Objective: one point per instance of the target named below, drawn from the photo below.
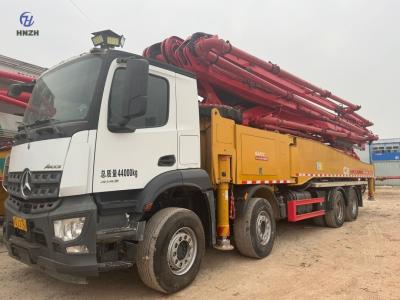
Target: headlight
(68, 229)
(77, 249)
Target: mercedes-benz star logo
(25, 183)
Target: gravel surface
(361, 260)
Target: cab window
(157, 102)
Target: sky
(350, 47)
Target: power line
(83, 13)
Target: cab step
(114, 265)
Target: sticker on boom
(261, 156)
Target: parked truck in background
(116, 164)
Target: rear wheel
(170, 254)
(351, 212)
(254, 230)
(335, 217)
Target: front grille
(44, 185)
(43, 196)
(33, 207)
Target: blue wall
(385, 156)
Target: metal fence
(387, 168)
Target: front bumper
(39, 248)
(33, 255)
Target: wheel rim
(339, 211)
(263, 228)
(182, 251)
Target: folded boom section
(268, 96)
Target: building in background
(21, 67)
(385, 155)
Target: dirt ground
(361, 260)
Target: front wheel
(170, 254)
(255, 229)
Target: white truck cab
(105, 136)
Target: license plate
(20, 223)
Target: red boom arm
(268, 96)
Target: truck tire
(171, 252)
(351, 212)
(335, 217)
(255, 229)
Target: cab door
(126, 161)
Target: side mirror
(137, 108)
(17, 89)
(134, 103)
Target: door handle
(166, 161)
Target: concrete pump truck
(118, 163)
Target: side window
(157, 102)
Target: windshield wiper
(40, 122)
(27, 128)
(53, 128)
(27, 133)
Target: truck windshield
(65, 93)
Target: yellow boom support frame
(238, 155)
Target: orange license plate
(20, 223)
